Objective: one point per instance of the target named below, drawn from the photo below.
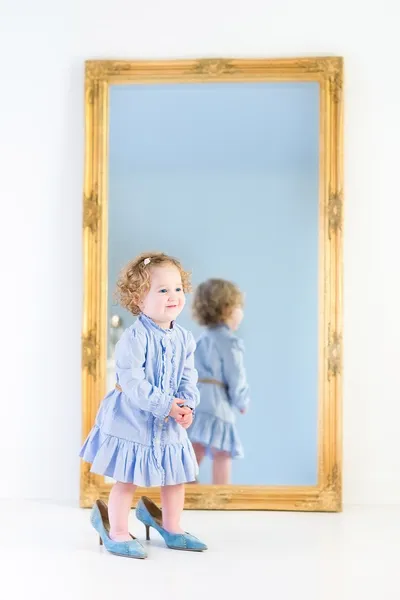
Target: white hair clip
(146, 261)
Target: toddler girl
(139, 438)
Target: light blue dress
(220, 357)
(132, 439)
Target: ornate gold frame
(328, 72)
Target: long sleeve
(235, 374)
(188, 385)
(130, 360)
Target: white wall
(43, 45)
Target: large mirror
(234, 167)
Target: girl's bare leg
(222, 466)
(172, 500)
(119, 507)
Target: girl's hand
(243, 411)
(187, 420)
(178, 412)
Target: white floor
(50, 551)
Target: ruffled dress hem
(131, 462)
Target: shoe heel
(147, 532)
(100, 541)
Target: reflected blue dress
(133, 439)
(223, 387)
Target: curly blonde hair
(215, 300)
(135, 279)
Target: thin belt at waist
(212, 382)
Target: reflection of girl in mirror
(140, 438)
(218, 305)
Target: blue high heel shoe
(151, 516)
(100, 521)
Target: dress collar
(150, 324)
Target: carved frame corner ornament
(327, 72)
(334, 483)
(96, 69)
(334, 73)
(89, 486)
(329, 497)
(331, 69)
